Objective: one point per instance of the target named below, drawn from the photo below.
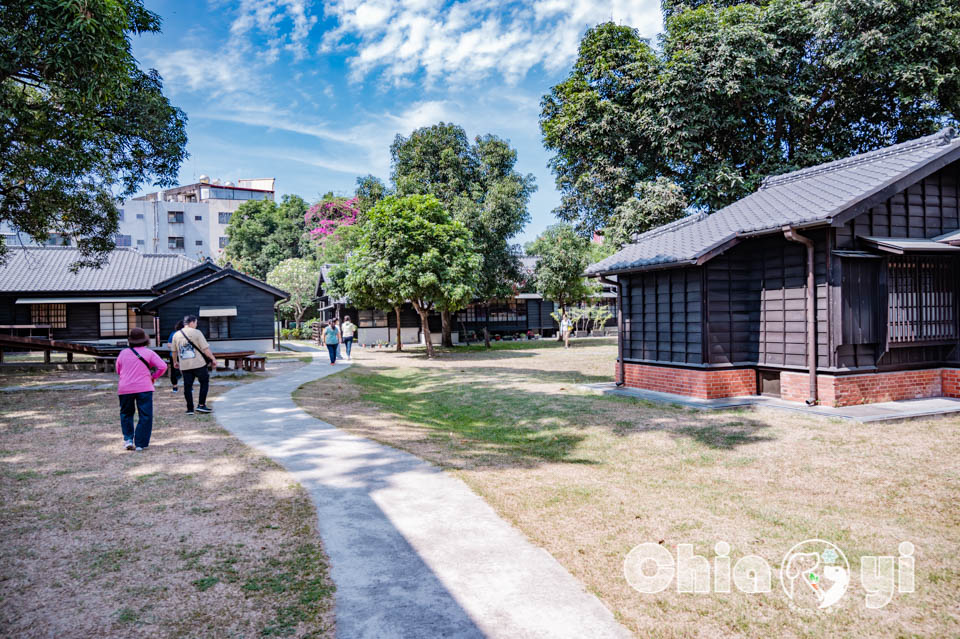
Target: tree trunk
(425, 326)
(447, 328)
(486, 325)
(399, 343)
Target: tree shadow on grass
(481, 419)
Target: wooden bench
(105, 364)
(254, 363)
(236, 358)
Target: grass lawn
(589, 477)
(198, 536)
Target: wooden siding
(83, 319)
(756, 303)
(926, 209)
(254, 318)
(663, 316)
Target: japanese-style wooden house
(835, 284)
(40, 294)
(516, 315)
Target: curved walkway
(413, 551)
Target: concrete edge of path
(414, 551)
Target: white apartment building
(187, 220)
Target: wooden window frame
(53, 314)
(372, 319)
(922, 300)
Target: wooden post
(69, 356)
(46, 356)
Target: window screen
(53, 314)
(113, 319)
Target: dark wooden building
(38, 289)
(849, 270)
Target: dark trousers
(348, 344)
(174, 375)
(333, 352)
(144, 406)
(201, 374)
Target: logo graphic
(814, 575)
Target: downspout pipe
(791, 234)
(603, 280)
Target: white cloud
(468, 40)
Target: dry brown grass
(198, 536)
(588, 478)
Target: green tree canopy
(298, 277)
(478, 183)
(736, 92)
(564, 256)
(423, 255)
(656, 203)
(80, 123)
(263, 233)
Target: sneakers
(204, 409)
(174, 389)
(139, 449)
(189, 412)
(128, 444)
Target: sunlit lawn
(590, 477)
(197, 536)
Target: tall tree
(426, 257)
(736, 92)
(81, 124)
(263, 233)
(564, 256)
(370, 190)
(478, 183)
(298, 277)
(656, 203)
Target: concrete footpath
(413, 551)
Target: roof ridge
(942, 137)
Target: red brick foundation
(704, 384)
(848, 390)
(832, 390)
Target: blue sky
(314, 93)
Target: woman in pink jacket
(138, 367)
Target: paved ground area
(414, 552)
(881, 411)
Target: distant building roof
(47, 269)
(824, 194)
(207, 280)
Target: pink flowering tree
(324, 218)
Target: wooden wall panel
(662, 316)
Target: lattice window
(219, 328)
(921, 299)
(53, 314)
(113, 319)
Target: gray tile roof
(47, 269)
(808, 196)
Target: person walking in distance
(331, 337)
(566, 327)
(192, 355)
(174, 371)
(138, 367)
(336, 325)
(347, 332)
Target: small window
(140, 242)
(120, 214)
(139, 216)
(219, 328)
(199, 242)
(123, 240)
(371, 319)
(224, 217)
(224, 241)
(175, 243)
(55, 239)
(53, 314)
(198, 218)
(175, 217)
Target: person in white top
(566, 327)
(348, 331)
